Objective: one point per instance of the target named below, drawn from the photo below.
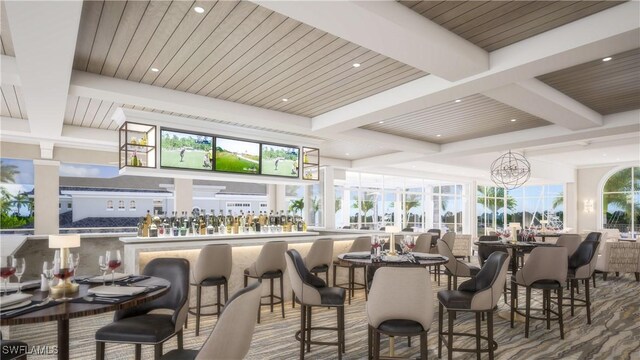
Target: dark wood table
(517, 247)
(65, 311)
(435, 261)
(544, 236)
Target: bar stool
(410, 292)
(454, 268)
(582, 265)
(544, 270)
(310, 291)
(213, 268)
(479, 295)
(269, 265)
(318, 260)
(361, 243)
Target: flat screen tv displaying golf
(237, 156)
(183, 150)
(279, 160)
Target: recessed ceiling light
(198, 9)
(438, 135)
(607, 58)
(346, 154)
(285, 99)
(155, 69)
(380, 122)
(458, 100)
(604, 154)
(513, 120)
(356, 65)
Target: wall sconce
(588, 206)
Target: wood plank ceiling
(607, 87)
(474, 116)
(234, 51)
(12, 102)
(492, 25)
(6, 45)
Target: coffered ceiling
(496, 24)
(12, 102)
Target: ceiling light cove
(198, 9)
(607, 58)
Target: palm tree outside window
(621, 201)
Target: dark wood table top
(69, 310)
(434, 261)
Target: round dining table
(62, 312)
(518, 247)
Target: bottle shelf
(310, 163)
(137, 145)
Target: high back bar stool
(213, 268)
(479, 295)
(423, 243)
(361, 243)
(410, 292)
(454, 268)
(310, 291)
(570, 242)
(318, 260)
(546, 270)
(270, 265)
(582, 265)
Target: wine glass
(74, 259)
(7, 269)
(48, 275)
(409, 243)
(113, 262)
(20, 266)
(103, 265)
(62, 270)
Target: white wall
(588, 183)
(84, 207)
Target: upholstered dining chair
(454, 268)
(13, 349)
(619, 257)
(423, 243)
(361, 243)
(213, 268)
(231, 337)
(141, 327)
(318, 260)
(582, 265)
(570, 242)
(310, 291)
(546, 270)
(479, 295)
(270, 265)
(410, 292)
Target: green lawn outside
(284, 167)
(193, 159)
(230, 162)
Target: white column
(271, 197)
(470, 225)
(571, 207)
(329, 199)
(46, 182)
(280, 203)
(183, 194)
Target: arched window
(109, 204)
(132, 205)
(621, 201)
(120, 204)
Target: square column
(46, 182)
(183, 194)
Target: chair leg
(309, 313)
(271, 293)
(637, 277)
(546, 294)
(478, 327)
(594, 279)
(180, 340)
(326, 276)
(370, 343)
(376, 345)
(423, 346)
(246, 280)
(99, 350)
(138, 351)
(340, 321)
(364, 277)
(226, 292)
(293, 300)
(219, 299)
(282, 295)
(449, 282)
(350, 284)
(198, 304)
(455, 282)
(604, 276)
(450, 336)
(408, 341)
(440, 320)
(527, 311)
(157, 351)
(303, 332)
(490, 333)
(572, 295)
(560, 320)
(587, 297)
(514, 294)
(334, 275)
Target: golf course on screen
(279, 160)
(186, 151)
(237, 156)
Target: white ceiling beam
(587, 145)
(386, 159)
(9, 71)
(539, 99)
(128, 92)
(393, 30)
(608, 32)
(388, 141)
(44, 38)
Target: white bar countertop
(231, 237)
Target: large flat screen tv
(279, 160)
(183, 150)
(237, 156)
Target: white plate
(16, 306)
(10, 300)
(116, 291)
(99, 279)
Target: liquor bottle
(241, 222)
(283, 218)
(229, 223)
(147, 223)
(134, 159)
(153, 230)
(249, 221)
(261, 219)
(184, 223)
(300, 224)
(210, 227)
(140, 225)
(175, 225)
(236, 224)
(305, 158)
(203, 225)
(272, 218)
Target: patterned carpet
(614, 333)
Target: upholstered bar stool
(310, 291)
(231, 337)
(479, 295)
(213, 268)
(569, 242)
(593, 236)
(318, 260)
(270, 265)
(410, 293)
(454, 268)
(423, 243)
(546, 270)
(361, 243)
(582, 265)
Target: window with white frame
(109, 204)
(132, 205)
(120, 205)
(621, 201)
